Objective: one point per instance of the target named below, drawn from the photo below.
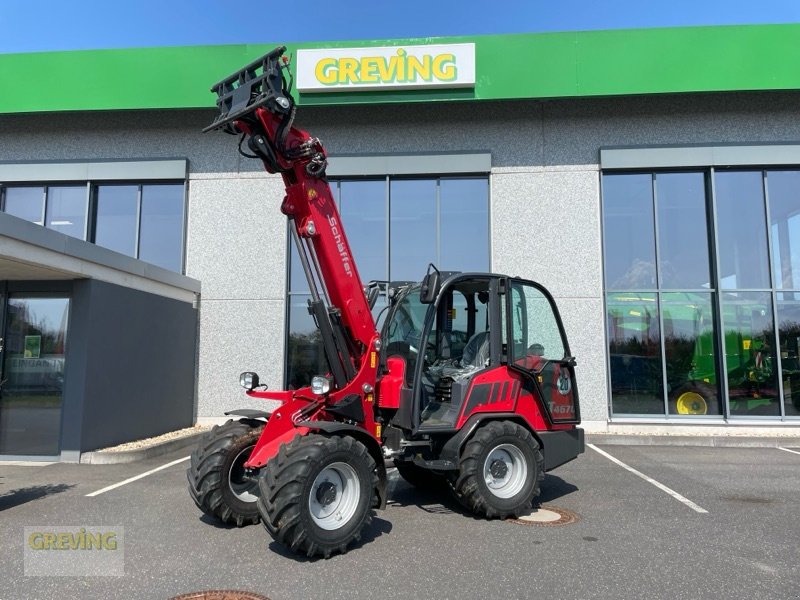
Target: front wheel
(218, 482)
(316, 495)
(500, 470)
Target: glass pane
(784, 213)
(628, 232)
(689, 342)
(537, 345)
(161, 229)
(66, 210)
(742, 230)
(682, 231)
(26, 203)
(363, 211)
(750, 353)
(305, 355)
(789, 333)
(413, 228)
(30, 407)
(115, 226)
(634, 346)
(464, 217)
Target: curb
(129, 456)
(707, 441)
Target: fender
(558, 447)
(363, 436)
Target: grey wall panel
(236, 336)
(139, 363)
(237, 238)
(546, 227)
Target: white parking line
(131, 479)
(660, 486)
(787, 450)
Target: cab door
(536, 345)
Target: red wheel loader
(468, 385)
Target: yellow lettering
(94, 541)
(444, 67)
(419, 68)
(35, 541)
(49, 541)
(400, 62)
(387, 69)
(325, 71)
(64, 541)
(369, 65)
(348, 70)
(110, 541)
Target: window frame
(710, 160)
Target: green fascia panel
(549, 65)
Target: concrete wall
(544, 196)
(130, 360)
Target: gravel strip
(154, 441)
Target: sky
(45, 25)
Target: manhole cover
(220, 595)
(547, 516)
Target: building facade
(649, 179)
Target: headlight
(248, 380)
(320, 385)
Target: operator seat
(476, 351)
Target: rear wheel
(218, 483)
(500, 471)
(316, 495)
(694, 398)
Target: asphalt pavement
(637, 535)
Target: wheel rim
(505, 471)
(243, 487)
(334, 496)
(691, 403)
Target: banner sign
(386, 68)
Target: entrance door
(32, 358)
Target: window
(395, 227)
(702, 292)
(144, 221)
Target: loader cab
(450, 347)
(443, 344)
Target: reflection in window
(634, 341)
(789, 335)
(26, 203)
(413, 233)
(363, 212)
(750, 353)
(464, 243)
(741, 230)
(66, 210)
(115, 220)
(161, 226)
(33, 371)
(440, 220)
(682, 231)
(630, 249)
(784, 214)
(142, 221)
(691, 357)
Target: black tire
(287, 483)
(694, 398)
(419, 477)
(517, 443)
(216, 466)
